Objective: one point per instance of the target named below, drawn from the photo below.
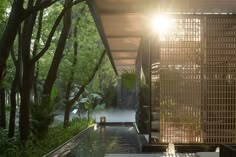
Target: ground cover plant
(34, 147)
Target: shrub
(36, 147)
(8, 146)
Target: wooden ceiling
(124, 22)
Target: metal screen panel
(194, 80)
(180, 81)
(220, 79)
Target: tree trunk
(52, 73)
(67, 114)
(35, 50)
(2, 108)
(25, 101)
(16, 84)
(82, 88)
(36, 95)
(11, 129)
(17, 15)
(71, 102)
(14, 88)
(68, 105)
(69, 84)
(28, 73)
(9, 34)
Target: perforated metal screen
(194, 80)
(220, 80)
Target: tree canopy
(54, 58)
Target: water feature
(101, 140)
(112, 115)
(171, 149)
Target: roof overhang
(122, 23)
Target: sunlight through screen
(160, 23)
(169, 27)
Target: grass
(37, 148)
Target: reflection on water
(112, 115)
(107, 139)
(115, 115)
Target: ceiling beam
(129, 6)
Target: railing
(227, 151)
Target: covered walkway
(188, 61)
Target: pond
(107, 139)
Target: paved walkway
(150, 155)
(200, 154)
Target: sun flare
(160, 23)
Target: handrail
(71, 139)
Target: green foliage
(105, 83)
(43, 115)
(100, 106)
(89, 49)
(128, 78)
(142, 111)
(49, 17)
(3, 6)
(8, 146)
(90, 103)
(37, 148)
(6, 83)
(110, 95)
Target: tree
(3, 6)
(52, 73)
(71, 102)
(79, 63)
(2, 108)
(28, 73)
(17, 15)
(45, 46)
(29, 58)
(75, 60)
(16, 84)
(104, 83)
